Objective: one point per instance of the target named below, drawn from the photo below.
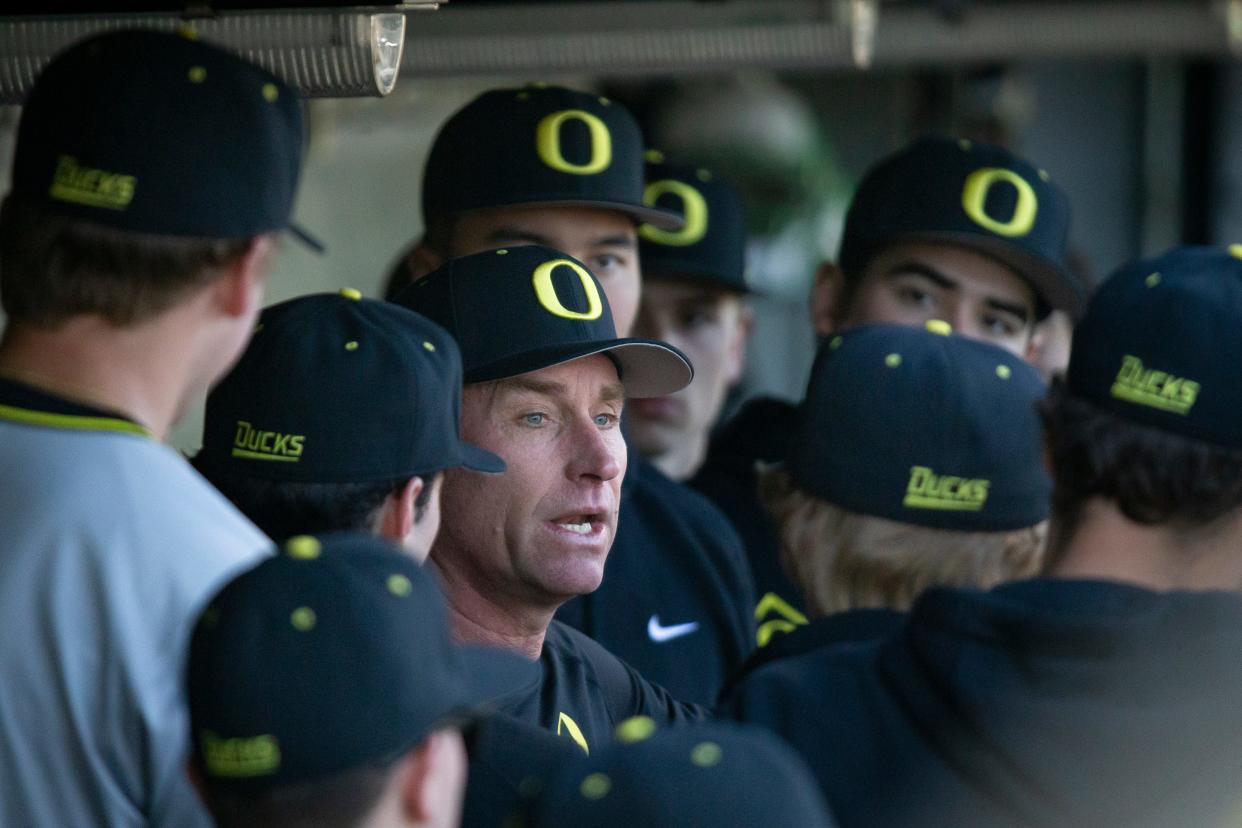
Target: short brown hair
(1152, 476)
(53, 267)
(843, 560)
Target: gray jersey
(111, 544)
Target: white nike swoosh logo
(659, 634)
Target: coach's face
(538, 534)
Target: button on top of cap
(939, 326)
(351, 293)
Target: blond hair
(843, 560)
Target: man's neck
(480, 618)
(1106, 545)
(682, 460)
(141, 372)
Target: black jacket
(1043, 702)
(583, 692)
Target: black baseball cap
(710, 247)
(335, 388)
(159, 133)
(970, 194)
(333, 654)
(519, 309)
(539, 145)
(695, 775)
(1158, 344)
(923, 426)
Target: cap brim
(687, 273)
(641, 213)
(1055, 288)
(647, 368)
(306, 238)
(480, 460)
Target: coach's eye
(534, 419)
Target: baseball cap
(971, 194)
(1158, 341)
(539, 145)
(335, 388)
(923, 426)
(519, 309)
(696, 775)
(154, 132)
(711, 246)
(332, 654)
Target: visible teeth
(581, 528)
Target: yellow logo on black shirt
(92, 187)
(1155, 389)
(787, 618)
(928, 490)
(565, 726)
(254, 444)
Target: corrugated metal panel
(323, 54)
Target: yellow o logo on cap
(975, 194)
(548, 142)
(546, 291)
(693, 205)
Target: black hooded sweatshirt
(1042, 702)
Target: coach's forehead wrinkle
(609, 393)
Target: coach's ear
(826, 294)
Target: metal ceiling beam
(642, 37)
(650, 37)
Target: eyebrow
(948, 283)
(612, 392)
(520, 235)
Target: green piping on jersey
(75, 422)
